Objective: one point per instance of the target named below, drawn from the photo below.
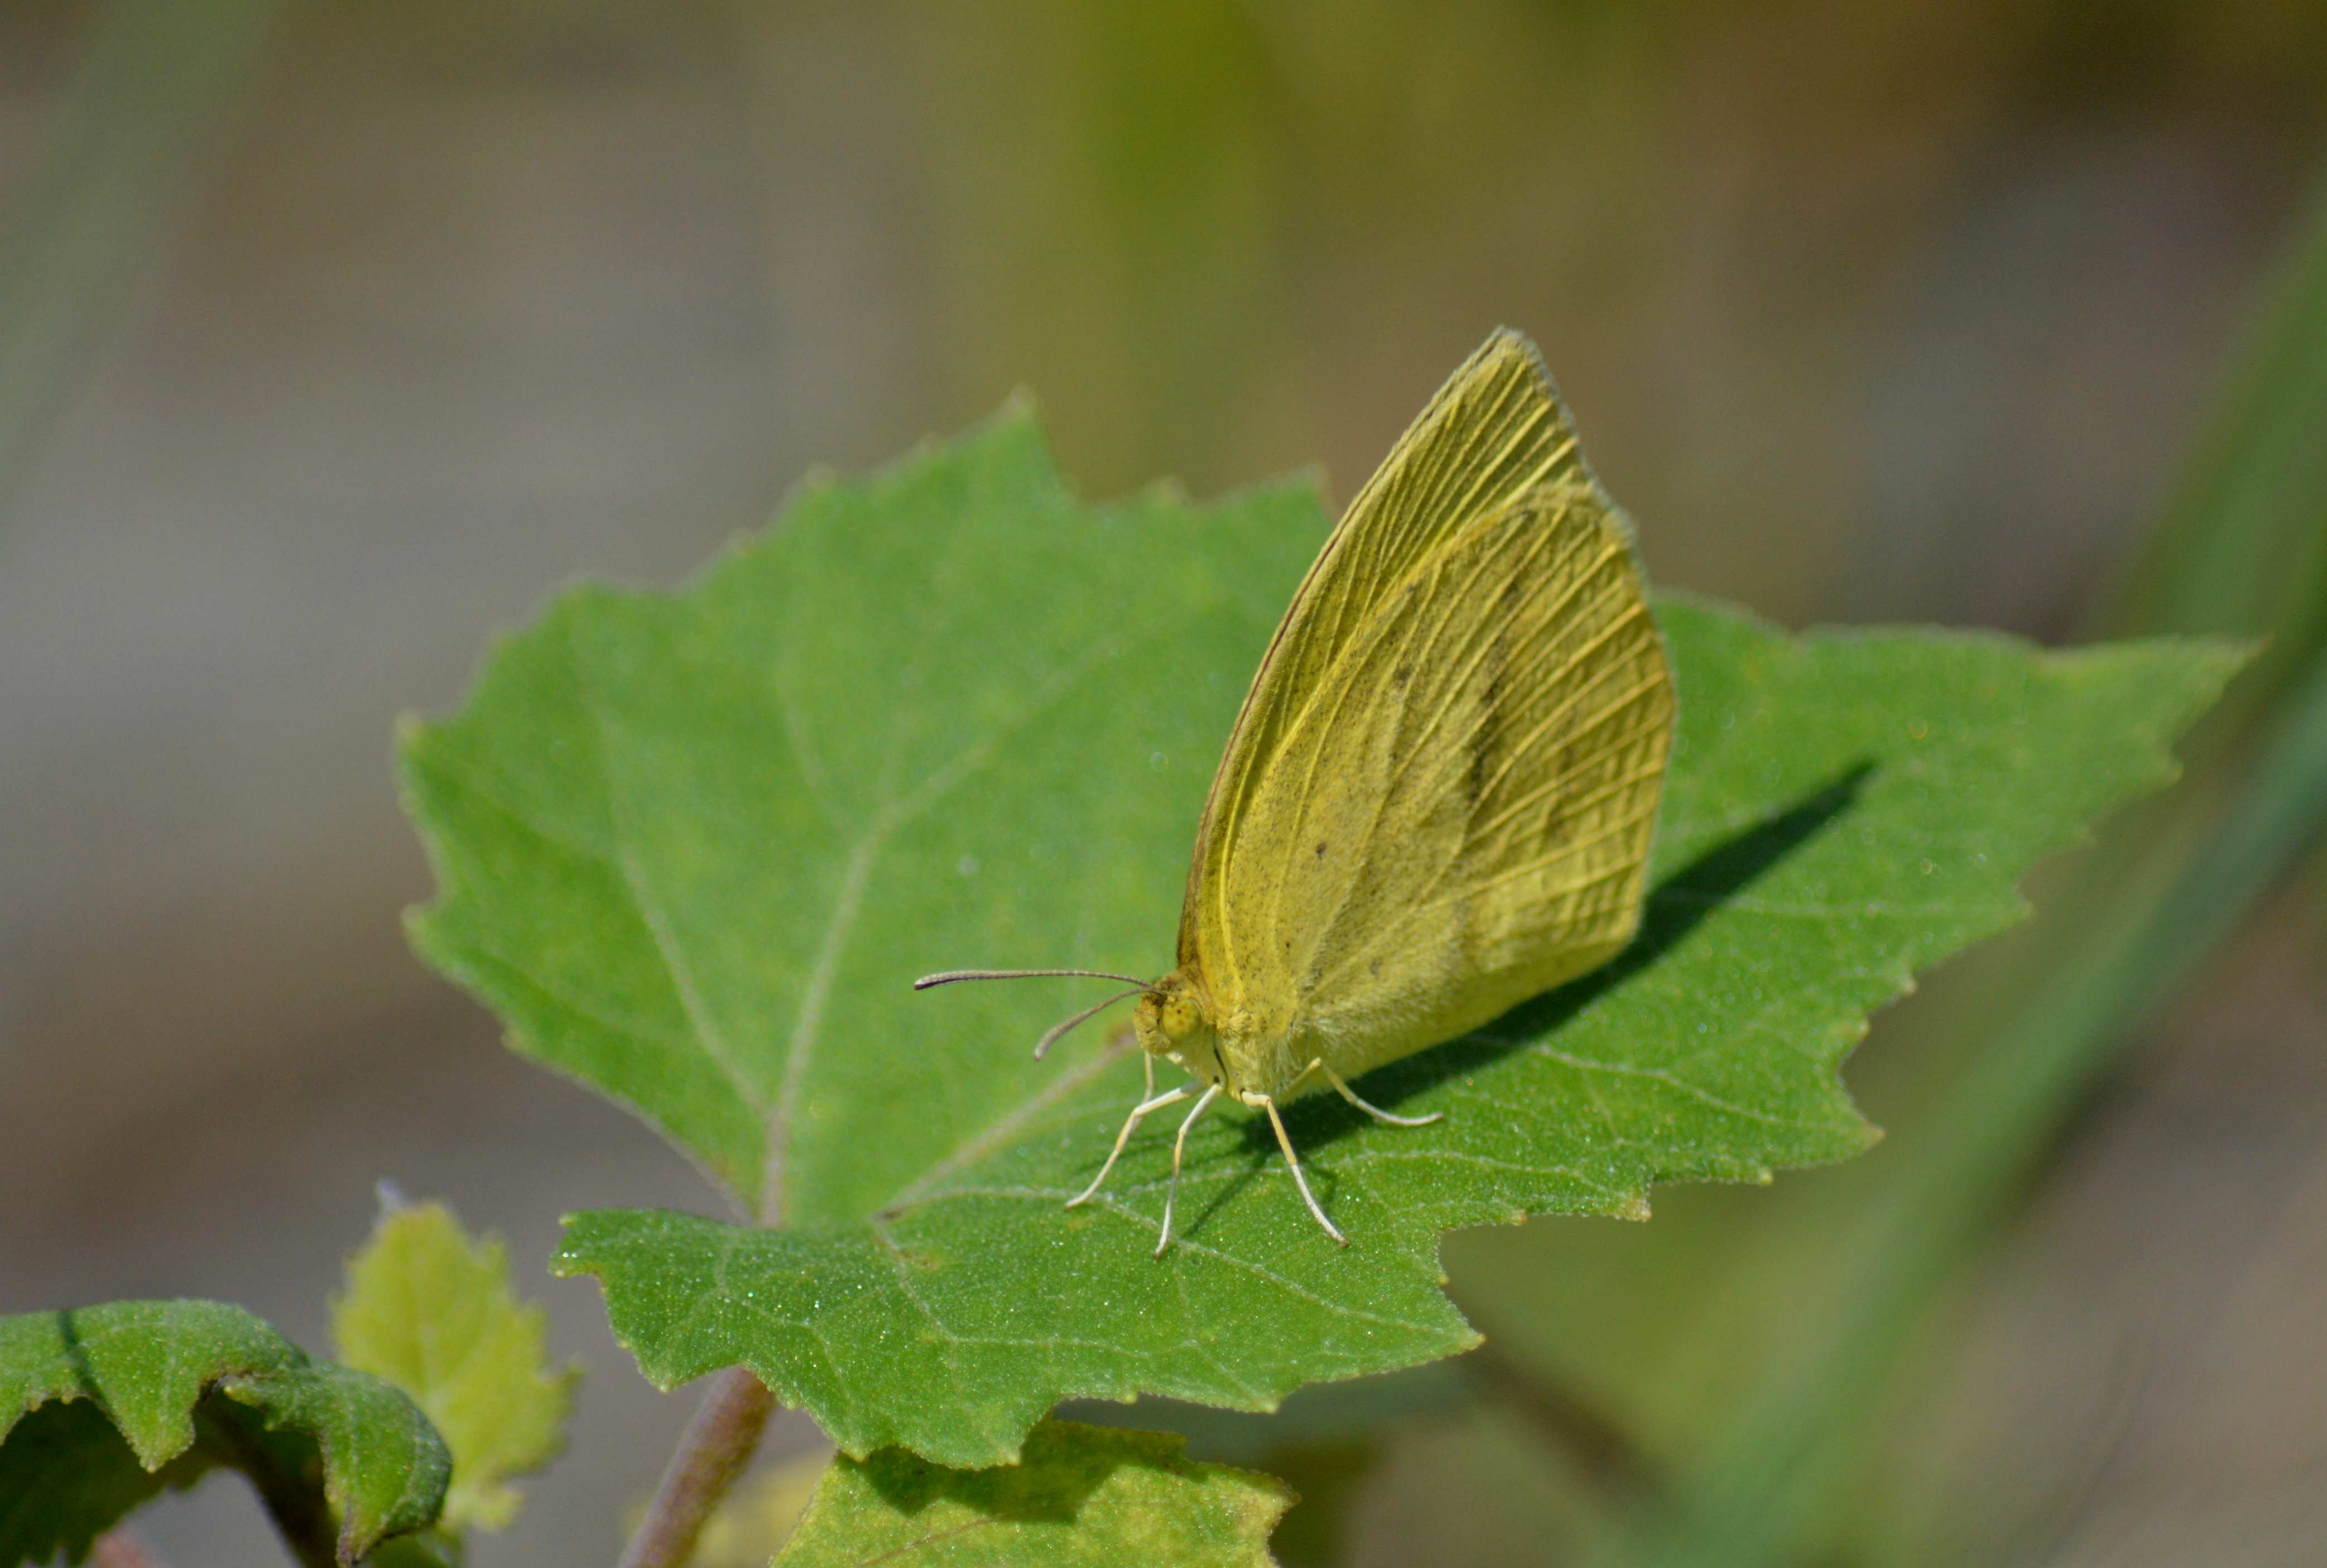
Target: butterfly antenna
(947, 976)
(1051, 1036)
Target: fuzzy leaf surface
(693, 847)
(102, 1407)
(431, 1311)
(1084, 1496)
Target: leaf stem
(716, 1446)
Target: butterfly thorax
(1180, 1021)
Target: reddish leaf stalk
(716, 1446)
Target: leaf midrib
(894, 815)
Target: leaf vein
(651, 912)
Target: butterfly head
(1172, 1020)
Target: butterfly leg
(1292, 1161)
(1151, 1101)
(1178, 1146)
(1376, 1112)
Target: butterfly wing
(1492, 433)
(1438, 797)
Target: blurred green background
(333, 336)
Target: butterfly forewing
(1492, 432)
(1450, 812)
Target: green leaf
(1083, 1495)
(66, 1476)
(1324, 1442)
(693, 847)
(104, 1406)
(432, 1312)
(428, 1549)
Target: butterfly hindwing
(1461, 819)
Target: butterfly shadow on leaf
(1675, 908)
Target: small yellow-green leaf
(432, 1312)
(1081, 1496)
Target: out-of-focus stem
(1591, 1441)
(158, 88)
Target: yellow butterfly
(1438, 797)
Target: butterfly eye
(1181, 1018)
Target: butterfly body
(1438, 796)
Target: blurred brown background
(334, 336)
